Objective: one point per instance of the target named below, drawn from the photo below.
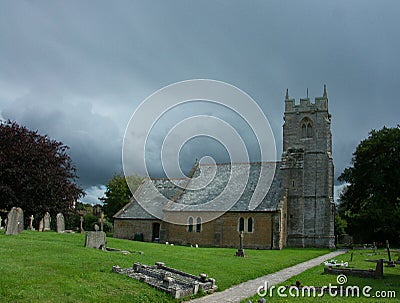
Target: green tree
(36, 172)
(340, 225)
(118, 193)
(370, 203)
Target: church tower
(307, 167)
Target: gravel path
(247, 289)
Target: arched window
(306, 129)
(198, 224)
(303, 131)
(250, 225)
(241, 224)
(190, 226)
(309, 130)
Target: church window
(241, 224)
(306, 129)
(303, 131)
(250, 225)
(198, 224)
(190, 226)
(309, 130)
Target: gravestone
(102, 221)
(31, 218)
(240, 252)
(390, 263)
(41, 225)
(46, 221)
(96, 239)
(1, 227)
(96, 227)
(15, 221)
(60, 223)
(81, 224)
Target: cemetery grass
(52, 267)
(315, 277)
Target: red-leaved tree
(36, 173)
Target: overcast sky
(77, 70)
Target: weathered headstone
(15, 221)
(96, 239)
(31, 218)
(390, 263)
(96, 227)
(60, 223)
(1, 219)
(41, 225)
(46, 222)
(81, 226)
(101, 221)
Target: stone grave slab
(170, 280)
(60, 223)
(15, 221)
(96, 239)
(46, 222)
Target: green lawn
(51, 267)
(315, 277)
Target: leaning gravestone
(15, 221)
(41, 225)
(31, 218)
(60, 223)
(96, 239)
(46, 221)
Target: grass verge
(51, 267)
(388, 287)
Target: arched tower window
(309, 130)
(190, 225)
(241, 224)
(306, 128)
(198, 224)
(304, 131)
(250, 225)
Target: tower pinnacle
(325, 94)
(287, 94)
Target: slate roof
(267, 173)
(211, 197)
(133, 210)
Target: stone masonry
(308, 168)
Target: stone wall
(127, 228)
(222, 232)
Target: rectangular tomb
(175, 282)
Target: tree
(36, 172)
(118, 193)
(370, 203)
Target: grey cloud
(77, 71)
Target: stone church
(297, 211)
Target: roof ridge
(238, 163)
(167, 179)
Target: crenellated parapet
(305, 105)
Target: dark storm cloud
(76, 70)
